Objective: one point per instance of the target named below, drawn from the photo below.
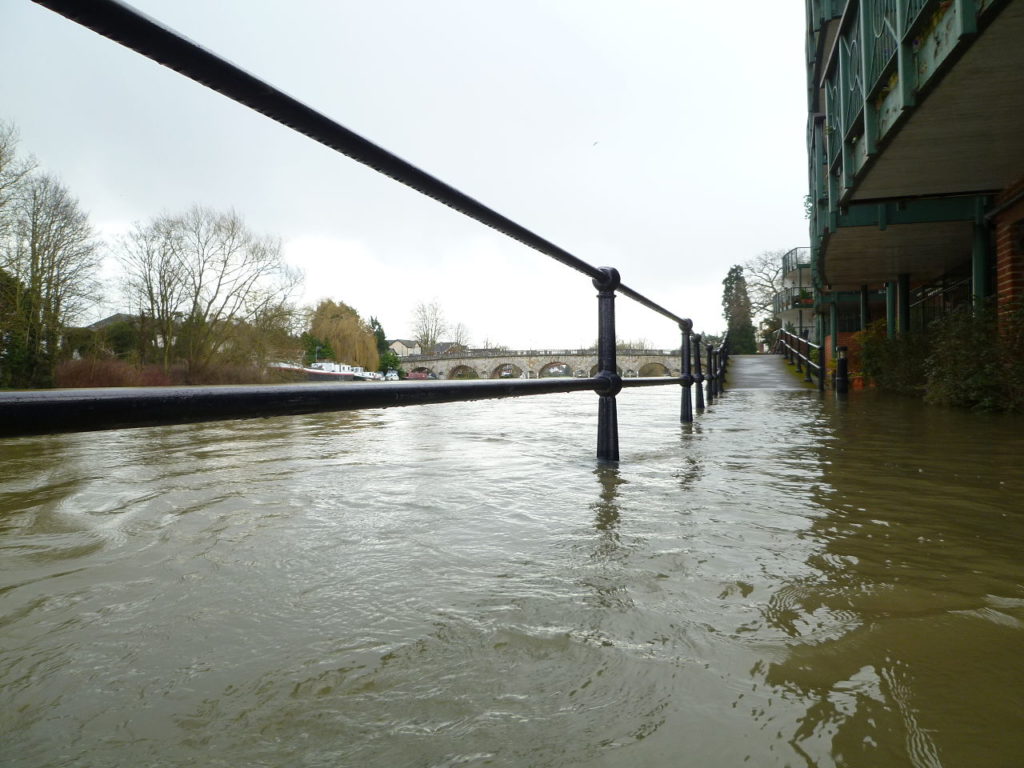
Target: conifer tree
(737, 311)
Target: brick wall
(1008, 230)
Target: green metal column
(903, 303)
(980, 264)
(890, 309)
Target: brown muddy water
(792, 581)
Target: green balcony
(916, 111)
(910, 93)
(795, 260)
(792, 298)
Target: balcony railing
(881, 58)
(798, 258)
(882, 26)
(792, 298)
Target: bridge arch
(555, 369)
(463, 372)
(420, 372)
(654, 369)
(594, 369)
(507, 371)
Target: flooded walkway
(763, 372)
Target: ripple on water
(787, 581)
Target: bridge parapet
(475, 353)
(532, 363)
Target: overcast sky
(665, 139)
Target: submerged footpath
(762, 372)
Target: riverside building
(915, 141)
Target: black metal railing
(42, 412)
(799, 351)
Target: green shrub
(966, 361)
(896, 364)
(1011, 337)
(970, 358)
(977, 359)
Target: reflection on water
(909, 620)
(606, 508)
(788, 581)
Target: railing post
(842, 373)
(686, 412)
(723, 365)
(711, 375)
(821, 367)
(698, 375)
(807, 357)
(609, 384)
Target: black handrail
(132, 29)
(49, 411)
(799, 352)
(85, 410)
(24, 413)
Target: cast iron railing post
(609, 384)
(686, 412)
(718, 373)
(698, 375)
(842, 373)
(711, 375)
(723, 365)
(821, 368)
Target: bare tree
(153, 282)
(428, 325)
(763, 275)
(203, 277)
(459, 334)
(49, 258)
(13, 171)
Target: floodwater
(792, 581)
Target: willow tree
(349, 337)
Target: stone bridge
(539, 363)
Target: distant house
(120, 317)
(449, 348)
(404, 347)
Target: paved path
(762, 372)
